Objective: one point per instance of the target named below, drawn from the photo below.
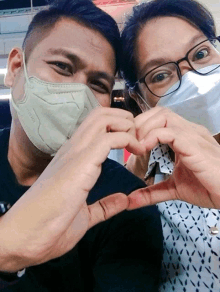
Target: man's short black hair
(84, 12)
(190, 10)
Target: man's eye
(201, 54)
(99, 86)
(62, 67)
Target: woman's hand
(196, 176)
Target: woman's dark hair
(130, 104)
(84, 12)
(190, 10)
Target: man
(54, 157)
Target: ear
(15, 63)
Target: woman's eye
(201, 54)
(159, 77)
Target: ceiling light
(3, 71)
(5, 96)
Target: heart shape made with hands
(195, 178)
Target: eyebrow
(74, 58)
(159, 61)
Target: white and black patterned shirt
(191, 260)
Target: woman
(171, 59)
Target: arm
(60, 193)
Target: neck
(26, 161)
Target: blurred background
(15, 17)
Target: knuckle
(104, 208)
(203, 130)
(178, 132)
(130, 115)
(165, 110)
(166, 113)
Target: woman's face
(162, 40)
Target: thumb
(152, 195)
(106, 208)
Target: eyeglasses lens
(204, 55)
(163, 78)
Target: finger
(142, 118)
(97, 152)
(107, 124)
(182, 142)
(90, 159)
(104, 124)
(161, 119)
(124, 140)
(107, 207)
(196, 153)
(96, 114)
(176, 138)
(105, 111)
(152, 195)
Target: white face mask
(198, 99)
(51, 112)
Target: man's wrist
(9, 276)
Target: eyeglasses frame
(142, 79)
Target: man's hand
(52, 216)
(196, 176)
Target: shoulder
(4, 140)
(4, 133)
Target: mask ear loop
(25, 69)
(133, 92)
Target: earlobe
(15, 63)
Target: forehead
(81, 40)
(169, 37)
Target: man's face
(71, 53)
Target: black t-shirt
(121, 254)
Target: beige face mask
(50, 113)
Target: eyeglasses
(168, 76)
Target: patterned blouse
(191, 260)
